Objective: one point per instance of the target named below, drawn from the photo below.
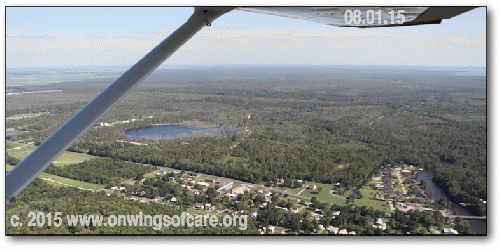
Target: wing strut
(35, 163)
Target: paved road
(398, 174)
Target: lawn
(65, 159)
(62, 180)
(369, 201)
(9, 145)
(295, 190)
(324, 195)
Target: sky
(107, 36)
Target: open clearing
(66, 158)
(324, 195)
(62, 181)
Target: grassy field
(295, 190)
(9, 145)
(324, 195)
(17, 116)
(369, 201)
(65, 159)
(60, 181)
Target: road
(398, 174)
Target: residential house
(332, 230)
(450, 231)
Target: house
(343, 231)
(316, 216)
(419, 200)
(174, 200)
(433, 230)
(254, 215)
(450, 231)
(332, 230)
(379, 224)
(339, 192)
(394, 194)
(405, 173)
(409, 180)
(413, 206)
(122, 189)
(203, 184)
(311, 186)
(282, 208)
(294, 210)
(194, 191)
(114, 188)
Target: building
(332, 230)
(405, 173)
(203, 184)
(450, 231)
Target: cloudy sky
(98, 36)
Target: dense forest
(318, 124)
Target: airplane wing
(364, 17)
(34, 164)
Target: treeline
(413, 220)
(463, 185)
(100, 171)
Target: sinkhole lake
(172, 132)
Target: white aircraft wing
(368, 16)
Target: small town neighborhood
(399, 187)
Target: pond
(172, 132)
